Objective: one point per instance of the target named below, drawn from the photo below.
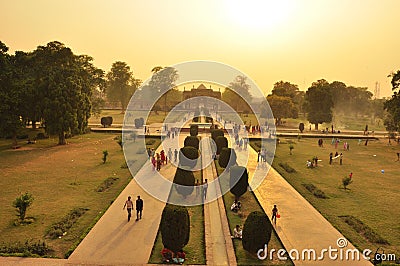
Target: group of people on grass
(170, 257)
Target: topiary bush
(227, 158)
(175, 227)
(192, 142)
(239, 180)
(194, 130)
(186, 181)
(257, 231)
(188, 156)
(221, 142)
(216, 133)
(139, 122)
(106, 121)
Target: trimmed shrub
(221, 142)
(106, 121)
(301, 127)
(175, 227)
(186, 181)
(139, 122)
(227, 158)
(191, 141)
(239, 180)
(194, 130)
(216, 133)
(257, 231)
(188, 156)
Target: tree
(287, 89)
(239, 181)
(121, 84)
(319, 103)
(392, 106)
(282, 107)
(22, 203)
(221, 142)
(185, 181)
(162, 80)
(11, 94)
(257, 231)
(188, 156)
(65, 82)
(175, 227)
(227, 158)
(241, 87)
(192, 141)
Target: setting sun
(255, 15)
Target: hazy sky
(354, 41)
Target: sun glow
(255, 15)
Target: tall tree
(282, 107)
(319, 104)
(392, 105)
(121, 84)
(241, 87)
(11, 94)
(66, 82)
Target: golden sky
(300, 41)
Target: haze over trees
(121, 84)
(237, 94)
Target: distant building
(199, 92)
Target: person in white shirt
(237, 232)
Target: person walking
(205, 187)
(175, 155)
(139, 208)
(274, 214)
(129, 207)
(330, 158)
(341, 158)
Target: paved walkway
(301, 226)
(219, 246)
(113, 240)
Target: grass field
(249, 204)
(60, 178)
(372, 198)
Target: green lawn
(372, 198)
(249, 204)
(60, 178)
